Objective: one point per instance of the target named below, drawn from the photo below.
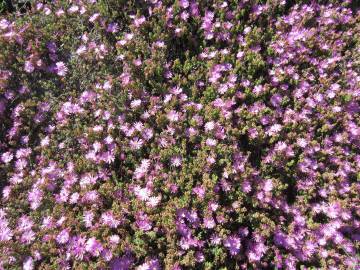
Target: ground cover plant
(190, 134)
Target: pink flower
(136, 143)
(143, 222)
(5, 232)
(173, 116)
(139, 21)
(94, 17)
(108, 157)
(108, 219)
(150, 265)
(47, 223)
(142, 194)
(153, 201)
(29, 67)
(27, 237)
(73, 9)
(135, 103)
(61, 69)
(176, 161)
(93, 246)
(74, 198)
(274, 129)
(24, 223)
(142, 169)
(35, 197)
(114, 239)
(233, 244)
(78, 247)
(7, 157)
(184, 3)
(209, 126)
(81, 50)
(246, 186)
(63, 237)
(268, 185)
(199, 191)
(97, 146)
(209, 223)
(88, 218)
(28, 264)
(211, 142)
(160, 44)
(4, 24)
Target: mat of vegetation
(187, 134)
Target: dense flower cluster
(183, 134)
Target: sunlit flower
(61, 69)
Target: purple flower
(61, 69)
(112, 28)
(143, 222)
(35, 197)
(211, 142)
(5, 232)
(136, 143)
(176, 161)
(123, 263)
(63, 237)
(173, 116)
(29, 67)
(233, 244)
(209, 223)
(28, 264)
(6, 157)
(88, 218)
(199, 191)
(114, 239)
(78, 247)
(184, 3)
(27, 237)
(150, 265)
(108, 219)
(93, 246)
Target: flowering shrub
(188, 134)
